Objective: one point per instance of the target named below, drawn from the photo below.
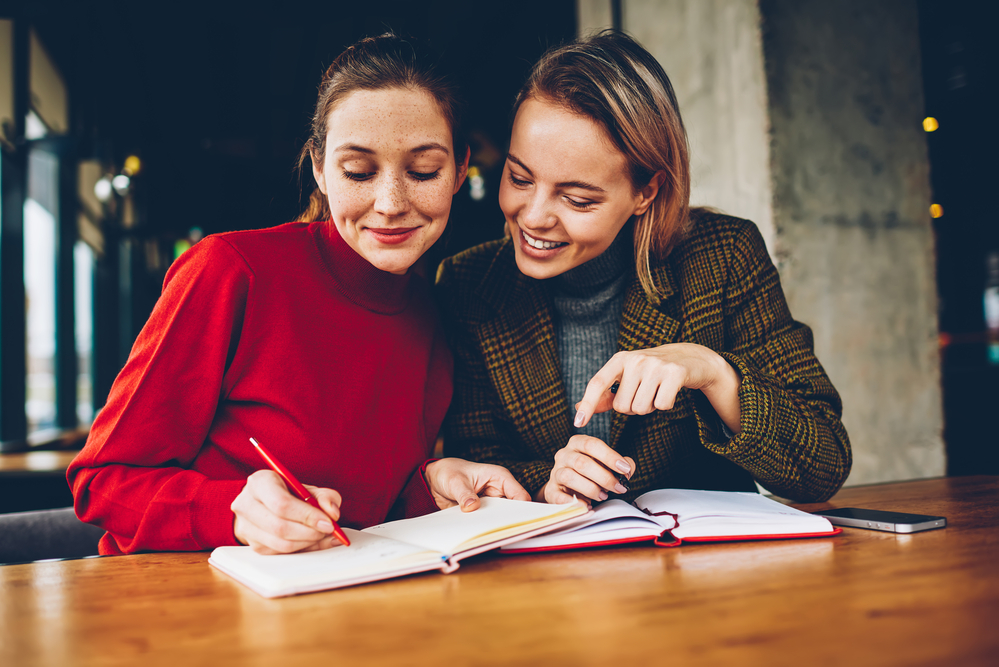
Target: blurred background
(858, 136)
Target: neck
(600, 271)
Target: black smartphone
(891, 522)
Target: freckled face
(566, 190)
(389, 174)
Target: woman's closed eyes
(415, 175)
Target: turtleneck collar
(360, 282)
(604, 269)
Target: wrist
(428, 473)
(723, 393)
(724, 380)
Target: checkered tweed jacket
(720, 290)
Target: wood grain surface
(36, 463)
(861, 598)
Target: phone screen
(878, 515)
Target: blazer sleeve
(133, 477)
(474, 428)
(791, 437)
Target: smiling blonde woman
(616, 341)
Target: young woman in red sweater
(316, 337)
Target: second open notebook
(668, 517)
(433, 542)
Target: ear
(462, 171)
(317, 172)
(648, 194)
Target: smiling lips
(539, 244)
(392, 235)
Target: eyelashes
(420, 176)
(584, 205)
(579, 205)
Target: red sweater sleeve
(132, 477)
(415, 499)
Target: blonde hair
(612, 79)
(377, 63)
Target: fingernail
(578, 421)
(623, 466)
(603, 495)
(468, 502)
(325, 526)
(621, 488)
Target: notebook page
(451, 531)
(727, 513)
(366, 555)
(610, 520)
(613, 510)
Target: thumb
(465, 497)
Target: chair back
(28, 536)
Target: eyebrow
(422, 148)
(564, 184)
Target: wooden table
(860, 598)
(36, 463)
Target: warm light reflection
(930, 124)
(132, 165)
(936, 211)
(476, 184)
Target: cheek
(434, 201)
(347, 200)
(592, 232)
(507, 199)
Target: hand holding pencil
(276, 514)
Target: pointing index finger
(599, 394)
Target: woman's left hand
(650, 380)
(459, 482)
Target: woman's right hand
(586, 467)
(272, 521)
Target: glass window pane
(83, 285)
(39, 285)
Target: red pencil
(297, 488)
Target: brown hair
(612, 79)
(377, 63)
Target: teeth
(538, 243)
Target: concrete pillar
(804, 116)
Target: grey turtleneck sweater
(588, 300)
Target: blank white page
(452, 531)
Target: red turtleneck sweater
(286, 335)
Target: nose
(536, 213)
(391, 197)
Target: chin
(536, 270)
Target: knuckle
(282, 504)
(281, 530)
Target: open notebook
(668, 517)
(433, 542)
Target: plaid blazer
(720, 290)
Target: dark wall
(215, 97)
(960, 73)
